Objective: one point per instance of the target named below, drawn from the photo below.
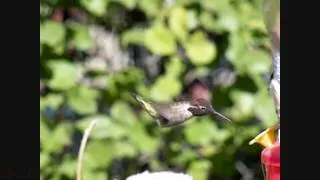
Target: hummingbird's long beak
(215, 113)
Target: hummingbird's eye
(202, 107)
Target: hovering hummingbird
(176, 113)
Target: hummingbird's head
(200, 107)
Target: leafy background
(94, 52)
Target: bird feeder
(270, 156)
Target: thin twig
(82, 147)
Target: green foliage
(160, 40)
(200, 50)
(189, 38)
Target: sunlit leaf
(236, 49)
(44, 131)
(52, 100)
(207, 21)
(175, 67)
(59, 137)
(52, 33)
(165, 88)
(124, 149)
(264, 109)
(199, 169)
(68, 167)
(178, 22)
(244, 102)
(81, 38)
(183, 158)
(94, 174)
(44, 160)
(122, 113)
(160, 40)
(65, 74)
(104, 127)
(99, 154)
(96, 7)
(200, 50)
(228, 20)
(203, 131)
(83, 99)
(258, 62)
(133, 36)
(151, 8)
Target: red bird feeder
(270, 156)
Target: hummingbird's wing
(172, 114)
(147, 106)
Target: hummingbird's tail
(222, 116)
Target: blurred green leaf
(44, 131)
(244, 134)
(150, 8)
(133, 36)
(59, 137)
(52, 33)
(236, 49)
(41, 49)
(203, 131)
(81, 38)
(199, 169)
(124, 149)
(52, 100)
(200, 50)
(210, 149)
(228, 20)
(122, 113)
(207, 21)
(96, 7)
(178, 22)
(192, 21)
(175, 67)
(99, 154)
(258, 62)
(68, 167)
(160, 40)
(215, 5)
(165, 88)
(94, 174)
(44, 159)
(200, 132)
(244, 102)
(129, 4)
(65, 74)
(83, 99)
(104, 127)
(264, 108)
(184, 157)
(142, 140)
(250, 61)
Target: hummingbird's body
(173, 114)
(176, 113)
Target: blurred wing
(147, 106)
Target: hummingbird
(176, 113)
